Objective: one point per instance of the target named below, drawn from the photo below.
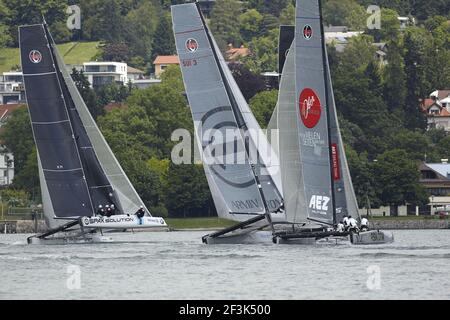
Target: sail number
(189, 63)
(377, 236)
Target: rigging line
(50, 122)
(62, 170)
(38, 74)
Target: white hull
(123, 222)
(86, 239)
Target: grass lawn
(72, 52)
(198, 223)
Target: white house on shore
(437, 110)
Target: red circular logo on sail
(310, 109)
(307, 32)
(191, 45)
(35, 56)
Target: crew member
(364, 224)
(108, 211)
(346, 223)
(340, 227)
(100, 211)
(140, 214)
(353, 225)
(113, 209)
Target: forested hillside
(378, 104)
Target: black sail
(73, 176)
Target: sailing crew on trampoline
(100, 211)
(346, 223)
(353, 225)
(140, 214)
(340, 227)
(364, 224)
(108, 211)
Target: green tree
(87, 93)
(188, 195)
(262, 106)
(287, 16)
(26, 12)
(141, 38)
(17, 138)
(249, 83)
(415, 143)
(395, 89)
(272, 7)
(345, 13)
(263, 55)
(417, 41)
(250, 23)
(225, 22)
(397, 179)
(163, 40)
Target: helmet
(142, 207)
(100, 206)
(112, 206)
(107, 205)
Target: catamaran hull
(123, 222)
(371, 237)
(87, 239)
(253, 237)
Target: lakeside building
(104, 73)
(435, 177)
(437, 110)
(6, 158)
(162, 62)
(12, 90)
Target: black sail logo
(220, 169)
(35, 56)
(307, 32)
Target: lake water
(176, 265)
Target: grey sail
(345, 198)
(52, 130)
(212, 110)
(128, 197)
(262, 154)
(312, 113)
(291, 165)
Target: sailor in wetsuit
(140, 214)
(346, 223)
(100, 211)
(353, 225)
(113, 209)
(108, 211)
(340, 227)
(364, 224)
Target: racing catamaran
(77, 169)
(316, 189)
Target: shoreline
(28, 226)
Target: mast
(327, 99)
